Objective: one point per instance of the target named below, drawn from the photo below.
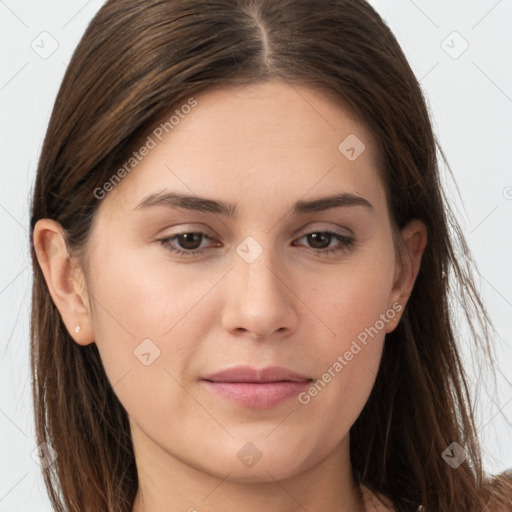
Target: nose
(260, 302)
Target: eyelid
(322, 229)
(182, 229)
(347, 244)
(297, 234)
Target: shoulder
(498, 492)
(375, 502)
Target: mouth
(259, 389)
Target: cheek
(139, 297)
(355, 307)
(146, 323)
(347, 365)
(353, 297)
(147, 332)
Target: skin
(262, 147)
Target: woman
(242, 263)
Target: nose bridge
(267, 278)
(258, 268)
(260, 300)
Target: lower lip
(258, 395)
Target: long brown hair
(137, 60)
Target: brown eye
(186, 244)
(320, 242)
(190, 241)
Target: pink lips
(259, 389)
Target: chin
(250, 465)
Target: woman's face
(263, 283)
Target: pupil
(189, 239)
(315, 237)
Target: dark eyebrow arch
(188, 202)
(335, 201)
(202, 204)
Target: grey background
(470, 98)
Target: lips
(249, 374)
(259, 389)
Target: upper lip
(250, 374)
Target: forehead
(269, 140)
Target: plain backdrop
(460, 52)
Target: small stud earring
(77, 329)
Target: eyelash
(347, 244)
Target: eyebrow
(203, 204)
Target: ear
(414, 236)
(64, 278)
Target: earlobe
(414, 236)
(64, 279)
